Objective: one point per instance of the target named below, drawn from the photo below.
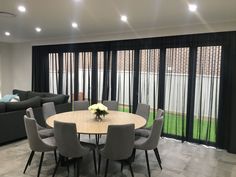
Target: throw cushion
(2, 107)
(10, 98)
(32, 102)
(59, 99)
(22, 94)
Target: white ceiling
(102, 17)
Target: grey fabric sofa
(12, 113)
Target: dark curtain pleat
(113, 75)
(40, 70)
(94, 77)
(106, 75)
(84, 72)
(136, 80)
(76, 77)
(161, 90)
(191, 90)
(61, 66)
(71, 75)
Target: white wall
(5, 69)
(22, 66)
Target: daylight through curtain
(176, 84)
(207, 89)
(149, 79)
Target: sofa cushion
(32, 102)
(33, 94)
(59, 99)
(66, 99)
(21, 93)
(50, 94)
(2, 107)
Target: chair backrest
(48, 110)
(153, 139)
(111, 105)
(67, 141)
(160, 113)
(34, 139)
(143, 110)
(30, 112)
(81, 105)
(120, 142)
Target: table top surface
(86, 123)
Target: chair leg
(131, 170)
(67, 165)
(133, 155)
(78, 162)
(107, 164)
(31, 158)
(148, 167)
(94, 160)
(40, 164)
(122, 165)
(55, 155)
(55, 170)
(29, 161)
(97, 139)
(158, 157)
(99, 163)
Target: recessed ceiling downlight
(7, 33)
(22, 8)
(123, 18)
(74, 25)
(192, 7)
(38, 29)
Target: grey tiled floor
(178, 160)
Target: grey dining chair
(145, 132)
(81, 105)
(48, 110)
(43, 132)
(36, 143)
(119, 146)
(69, 146)
(151, 142)
(111, 105)
(143, 110)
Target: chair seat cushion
(50, 141)
(140, 143)
(88, 145)
(142, 132)
(46, 132)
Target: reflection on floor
(178, 160)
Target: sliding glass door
(207, 93)
(125, 76)
(149, 80)
(176, 89)
(184, 81)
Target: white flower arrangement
(98, 109)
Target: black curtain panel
(191, 77)
(40, 69)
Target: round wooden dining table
(87, 124)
